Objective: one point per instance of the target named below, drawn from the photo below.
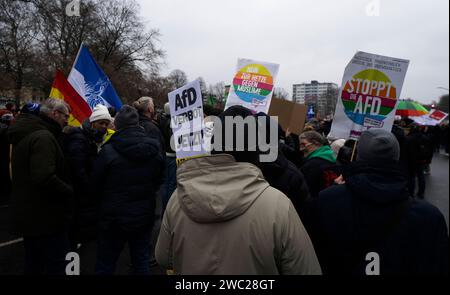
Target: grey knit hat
(378, 145)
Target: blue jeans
(419, 173)
(46, 255)
(110, 245)
(170, 184)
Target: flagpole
(76, 59)
(354, 152)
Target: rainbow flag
(62, 89)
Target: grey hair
(167, 108)
(314, 137)
(143, 104)
(52, 104)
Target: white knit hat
(100, 113)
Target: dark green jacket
(42, 197)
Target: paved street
(12, 251)
(437, 184)
(11, 247)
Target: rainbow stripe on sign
(369, 97)
(253, 82)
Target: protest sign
(253, 85)
(290, 115)
(187, 121)
(369, 95)
(433, 119)
(438, 116)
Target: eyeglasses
(64, 114)
(305, 145)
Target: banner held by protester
(187, 121)
(253, 85)
(91, 83)
(369, 95)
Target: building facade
(27, 94)
(321, 96)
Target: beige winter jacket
(225, 219)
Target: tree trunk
(18, 90)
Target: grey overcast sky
(310, 39)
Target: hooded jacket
(320, 170)
(126, 177)
(42, 197)
(225, 219)
(372, 213)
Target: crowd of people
(319, 208)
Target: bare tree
(17, 35)
(122, 39)
(159, 87)
(38, 37)
(60, 35)
(178, 78)
(218, 91)
(203, 88)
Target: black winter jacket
(372, 212)
(41, 197)
(287, 178)
(81, 152)
(319, 174)
(5, 182)
(127, 175)
(152, 130)
(419, 149)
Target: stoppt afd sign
(187, 121)
(369, 95)
(253, 85)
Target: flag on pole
(61, 89)
(91, 83)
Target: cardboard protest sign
(186, 109)
(290, 115)
(369, 95)
(253, 85)
(433, 119)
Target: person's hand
(340, 180)
(288, 133)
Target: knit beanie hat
(127, 117)
(100, 113)
(377, 146)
